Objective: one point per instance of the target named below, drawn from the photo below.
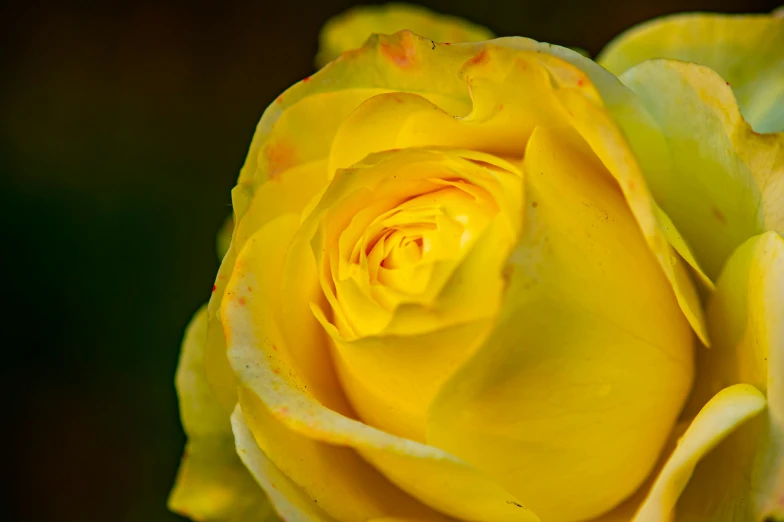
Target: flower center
(411, 255)
(405, 254)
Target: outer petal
(744, 476)
(295, 422)
(609, 144)
(675, 239)
(721, 415)
(300, 125)
(223, 240)
(288, 194)
(747, 51)
(648, 145)
(616, 127)
(293, 504)
(349, 30)
(726, 182)
(577, 389)
(212, 484)
(253, 208)
(336, 478)
(502, 118)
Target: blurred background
(122, 129)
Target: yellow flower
(476, 279)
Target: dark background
(122, 130)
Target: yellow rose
(476, 280)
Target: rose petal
(609, 144)
(300, 125)
(745, 473)
(290, 501)
(726, 411)
(350, 29)
(747, 50)
(212, 484)
(574, 394)
(503, 115)
(726, 182)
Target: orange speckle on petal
(241, 301)
(279, 99)
(306, 79)
(214, 287)
(283, 410)
(400, 49)
(480, 58)
(250, 289)
(719, 215)
(581, 82)
(276, 371)
(279, 156)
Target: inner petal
(401, 253)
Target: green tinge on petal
(675, 239)
(201, 415)
(744, 475)
(747, 51)
(212, 484)
(223, 241)
(726, 411)
(349, 30)
(724, 183)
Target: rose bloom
(491, 280)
